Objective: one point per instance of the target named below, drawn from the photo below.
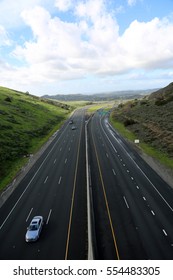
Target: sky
(85, 46)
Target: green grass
(106, 106)
(149, 150)
(26, 123)
(160, 156)
(94, 108)
(12, 171)
(78, 104)
(122, 130)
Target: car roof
(36, 219)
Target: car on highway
(71, 121)
(73, 127)
(34, 229)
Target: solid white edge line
(89, 174)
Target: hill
(26, 122)
(107, 96)
(163, 96)
(150, 119)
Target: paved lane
(133, 206)
(56, 189)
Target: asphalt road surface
(132, 205)
(55, 188)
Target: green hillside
(151, 121)
(26, 122)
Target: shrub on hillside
(163, 101)
(128, 122)
(160, 102)
(8, 99)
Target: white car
(34, 229)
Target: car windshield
(33, 227)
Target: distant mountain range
(107, 96)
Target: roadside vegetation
(78, 104)
(150, 120)
(26, 123)
(100, 105)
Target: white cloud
(10, 11)
(4, 38)
(90, 45)
(131, 2)
(148, 44)
(90, 9)
(95, 45)
(63, 5)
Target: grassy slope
(150, 122)
(26, 122)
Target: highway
(55, 188)
(132, 205)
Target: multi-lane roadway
(130, 209)
(133, 206)
(54, 188)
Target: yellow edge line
(106, 201)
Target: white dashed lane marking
(153, 212)
(48, 218)
(113, 172)
(126, 202)
(59, 182)
(46, 180)
(29, 214)
(164, 231)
